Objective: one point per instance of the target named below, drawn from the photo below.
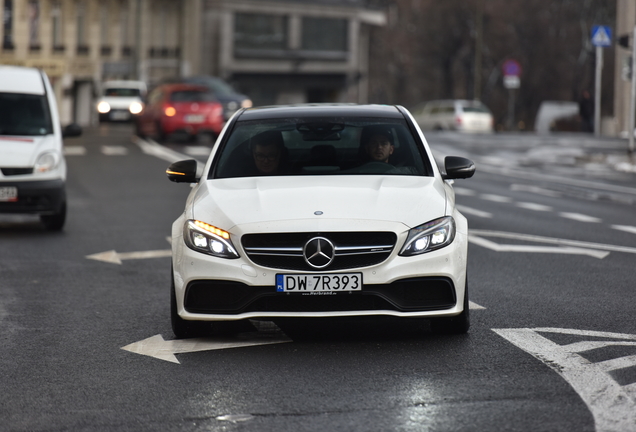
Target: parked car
(120, 100)
(459, 115)
(32, 165)
(180, 108)
(319, 211)
(224, 93)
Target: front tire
(454, 325)
(55, 222)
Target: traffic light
(623, 41)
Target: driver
(379, 146)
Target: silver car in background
(459, 115)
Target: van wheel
(55, 222)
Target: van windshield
(24, 114)
(122, 92)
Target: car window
(320, 146)
(191, 96)
(122, 92)
(475, 109)
(24, 114)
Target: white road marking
(580, 217)
(198, 150)
(115, 257)
(535, 249)
(533, 206)
(161, 349)
(496, 198)
(74, 151)
(473, 212)
(151, 148)
(474, 306)
(626, 228)
(534, 189)
(114, 150)
(464, 191)
(550, 240)
(613, 406)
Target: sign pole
(632, 102)
(597, 91)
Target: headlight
(430, 236)
(208, 239)
(247, 103)
(135, 108)
(46, 162)
(103, 107)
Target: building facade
(625, 22)
(290, 51)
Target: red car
(180, 108)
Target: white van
(32, 165)
(459, 115)
(120, 100)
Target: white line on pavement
(626, 228)
(534, 206)
(474, 212)
(580, 217)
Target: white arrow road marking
(161, 349)
(474, 212)
(549, 240)
(115, 257)
(613, 406)
(535, 249)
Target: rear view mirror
(458, 168)
(183, 171)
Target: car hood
(119, 102)
(409, 200)
(22, 151)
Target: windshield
(218, 86)
(122, 92)
(191, 96)
(24, 114)
(321, 146)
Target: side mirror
(72, 130)
(184, 171)
(458, 168)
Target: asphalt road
(552, 347)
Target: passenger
(268, 150)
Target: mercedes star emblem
(319, 252)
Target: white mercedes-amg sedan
(317, 211)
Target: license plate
(303, 283)
(194, 118)
(9, 194)
(119, 115)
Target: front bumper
(36, 197)
(216, 289)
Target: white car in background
(318, 211)
(459, 115)
(121, 100)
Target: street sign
(601, 36)
(511, 68)
(511, 81)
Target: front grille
(16, 171)
(406, 295)
(352, 249)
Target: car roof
(320, 110)
(124, 84)
(17, 79)
(183, 86)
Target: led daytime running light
(212, 229)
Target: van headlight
(103, 107)
(430, 236)
(46, 162)
(135, 108)
(208, 239)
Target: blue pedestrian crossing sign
(601, 36)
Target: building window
(260, 32)
(57, 26)
(324, 34)
(34, 24)
(7, 25)
(82, 47)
